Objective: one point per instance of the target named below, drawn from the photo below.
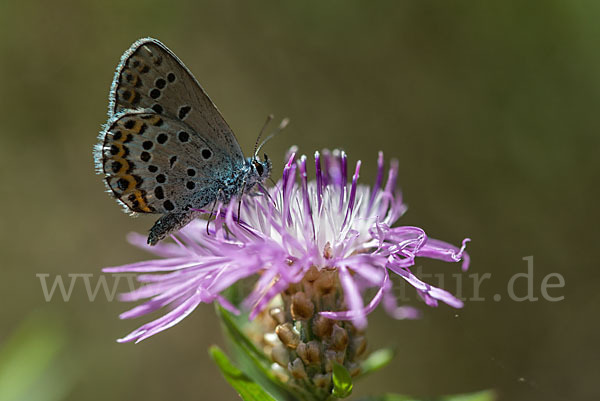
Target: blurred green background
(491, 108)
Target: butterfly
(165, 148)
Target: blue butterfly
(166, 149)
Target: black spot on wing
(160, 83)
(183, 136)
(162, 138)
(183, 112)
(157, 108)
(168, 205)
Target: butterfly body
(166, 149)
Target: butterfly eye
(259, 168)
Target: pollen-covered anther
(297, 370)
(302, 307)
(322, 326)
(328, 251)
(339, 338)
(280, 355)
(309, 352)
(288, 336)
(322, 380)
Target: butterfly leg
(266, 192)
(240, 201)
(169, 223)
(212, 211)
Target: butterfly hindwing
(156, 164)
(150, 76)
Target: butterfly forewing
(155, 164)
(150, 76)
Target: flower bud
(297, 370)
(296, 318)
(322, 326)
(322, 380)
(280, 355)
(302, 308)
(309, 352)
(312, 274)
(331, 357)
(339, 338)
(278, 315)
(353, 368)
(359, 346)
(288, 336)
(325, 284)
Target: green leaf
(342, 381)
(245, 387)
(254, 362)
(486, 395)
(377, 360)
(238, 336)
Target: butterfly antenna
(284, 123)
(262, 130)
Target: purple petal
(353, 298)
(360, 313)
(164, 322)
(441, 250)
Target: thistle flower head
(330, 231)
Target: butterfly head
(261, 169)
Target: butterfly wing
(157, 164)
(150, 76)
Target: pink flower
(326, 223)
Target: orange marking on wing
(142, 202)
(124, 165)
(119, 146)
(137, 127)
(143, 68)
(154, 120)
(135, 79)
(131, 183)
(131, 95)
